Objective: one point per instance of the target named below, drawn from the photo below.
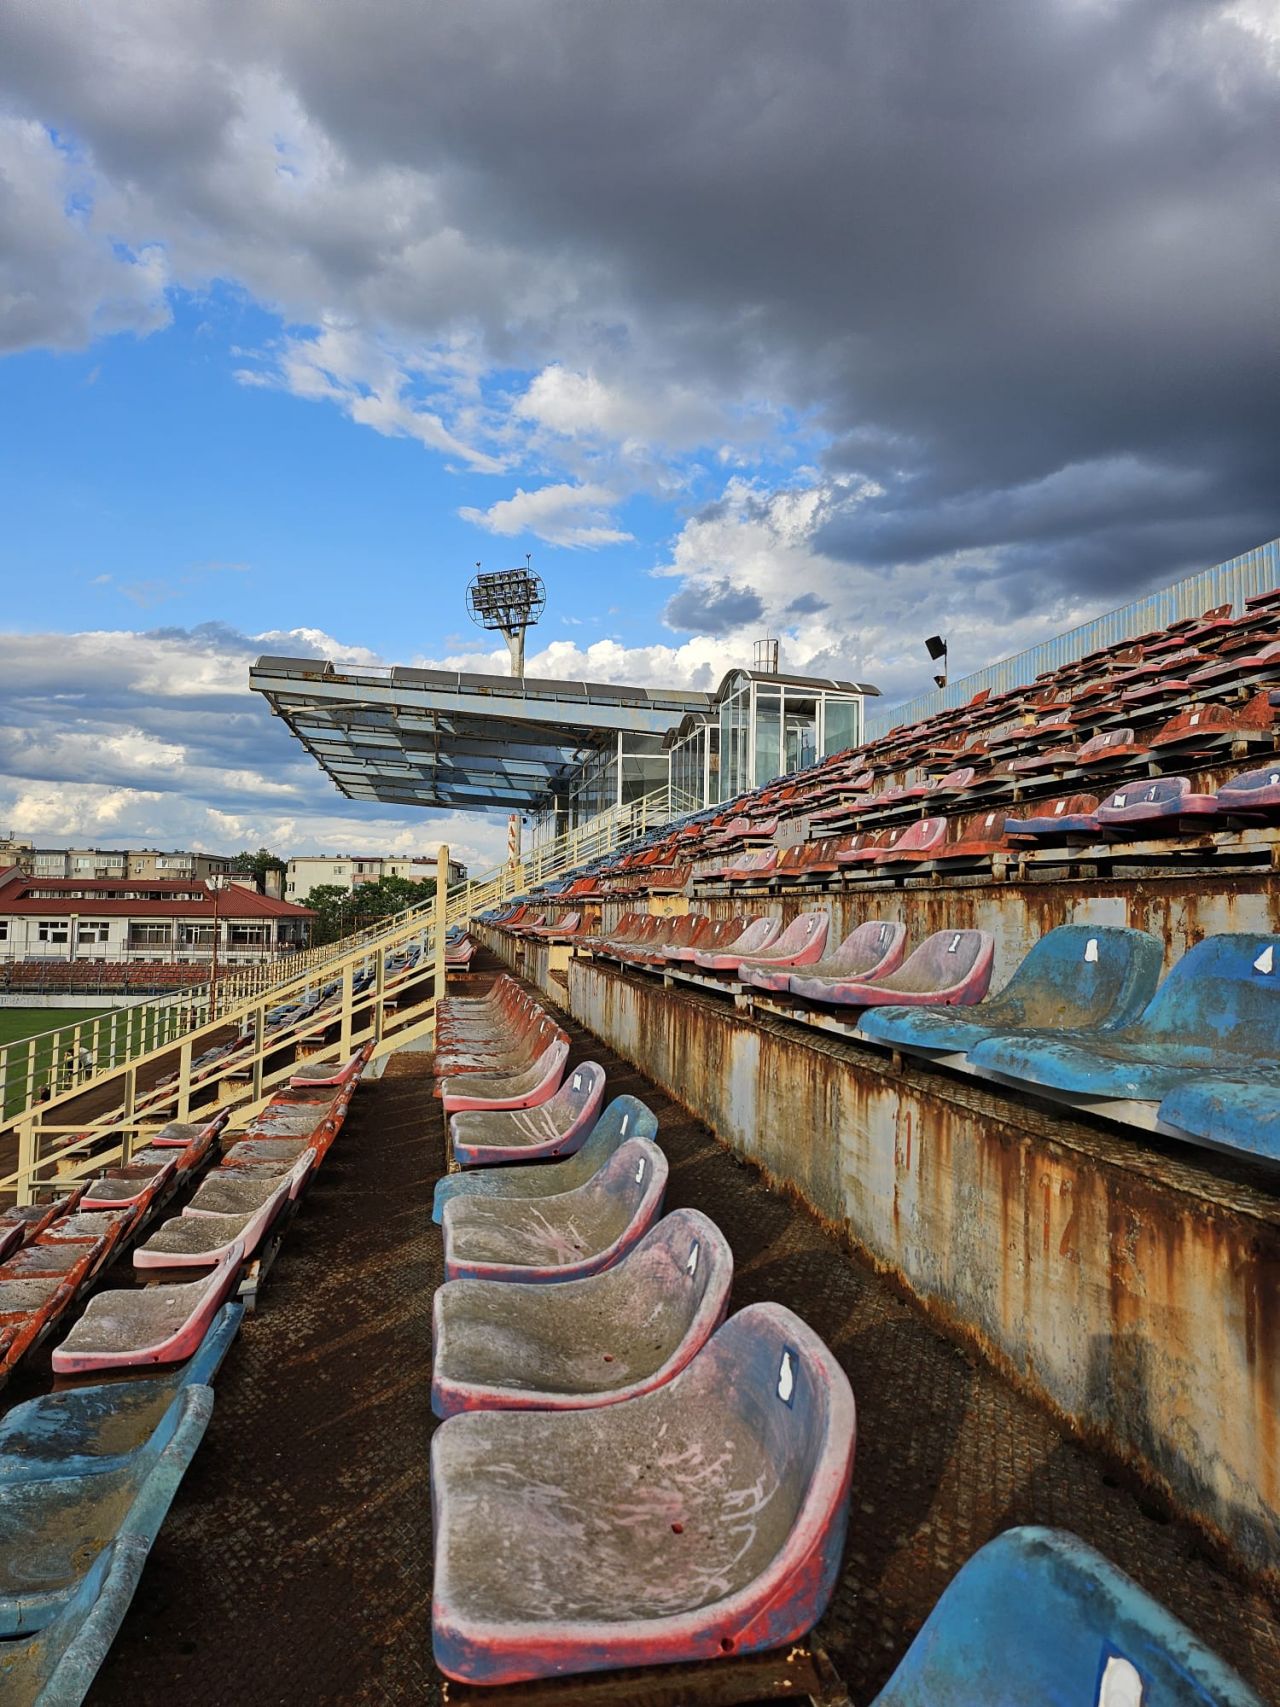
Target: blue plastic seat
(1218, 1011)
(1228, 1114)
(56, 1666)
(52, 1528)
(626, 1117)
(1095, 976)
(1038, 1619)
(80, 1430)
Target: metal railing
(162, 1060)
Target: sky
(844, 322)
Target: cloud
(713, 607)
(982, 297)
(118, 737)
(561, 514)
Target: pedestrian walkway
(295, 1565)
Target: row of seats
(1181, 700)
(590, 1380)
(88, 1472)
(106, 977)
(1083, 1016)
(628, 1475)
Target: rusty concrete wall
(1119, 1280)
(1177, 908)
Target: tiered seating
(575, 1330)
(87, 1472)
(948, 967)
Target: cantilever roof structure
(444, 738)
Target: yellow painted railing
(114, 1059)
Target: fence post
(442, 889)
(26, 1160)
(348, 996)
(127, 1133)
(184, 1080)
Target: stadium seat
(56, 1666)
(948, 967)
(718, 934)
(557, 1127)
(82, 1429)
(918, 842)
(1072, 818)
(156, 1324)
(1100, 976)
(757, 935)
(562, 1237)
(625, 1117)
(1112, 747)
(315, 1073)
(1252, 793)
(537, 1084)
(614, 1554)
(691, 931)
(1229, 1114)
(200, 1237)
(51, 1527)
(128, 1187)
(1217, 1012)
(801, 943)
(869, 951)
(1169, 800)
(595, 1341)
(1037, 1617)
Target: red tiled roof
(62, 896)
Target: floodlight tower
(509, 600)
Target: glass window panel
(768, 753)
(843, 724)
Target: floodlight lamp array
(506, 599)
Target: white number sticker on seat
(786, 1378)
(691, 1266)
(1266, 960)
(639, 1170)
(1121, 1684)
(626, 1121)
(954, 944)
(1091, 949)
(577, 1081)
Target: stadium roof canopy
(444, 738)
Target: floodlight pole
(514, 638)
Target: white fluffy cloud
(561, 514)
(148, 739)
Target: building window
(149, 935)
(53, 930)
(94, 930)
(249, 936)
(4, 930)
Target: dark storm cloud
(1015, 258)
(717, 607)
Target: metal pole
(442, 892)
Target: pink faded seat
(949, 967)
(128, 1187)
(201, 1237)
(614, 1554)
(719, 934)
(1252, 792)
(576, 1232)
(800, 943)
(180, 1134)
(520, 1049)
(757, 935)
(869, 951)
(326, 1073)
(499, 1345)
(557, 1127)
(157, 1324)
(1170, 800)
(917, 842)
(536, 1084)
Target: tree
(257, 863)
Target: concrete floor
(295, 1566)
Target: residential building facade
(314, 871)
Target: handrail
(135, 1034)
